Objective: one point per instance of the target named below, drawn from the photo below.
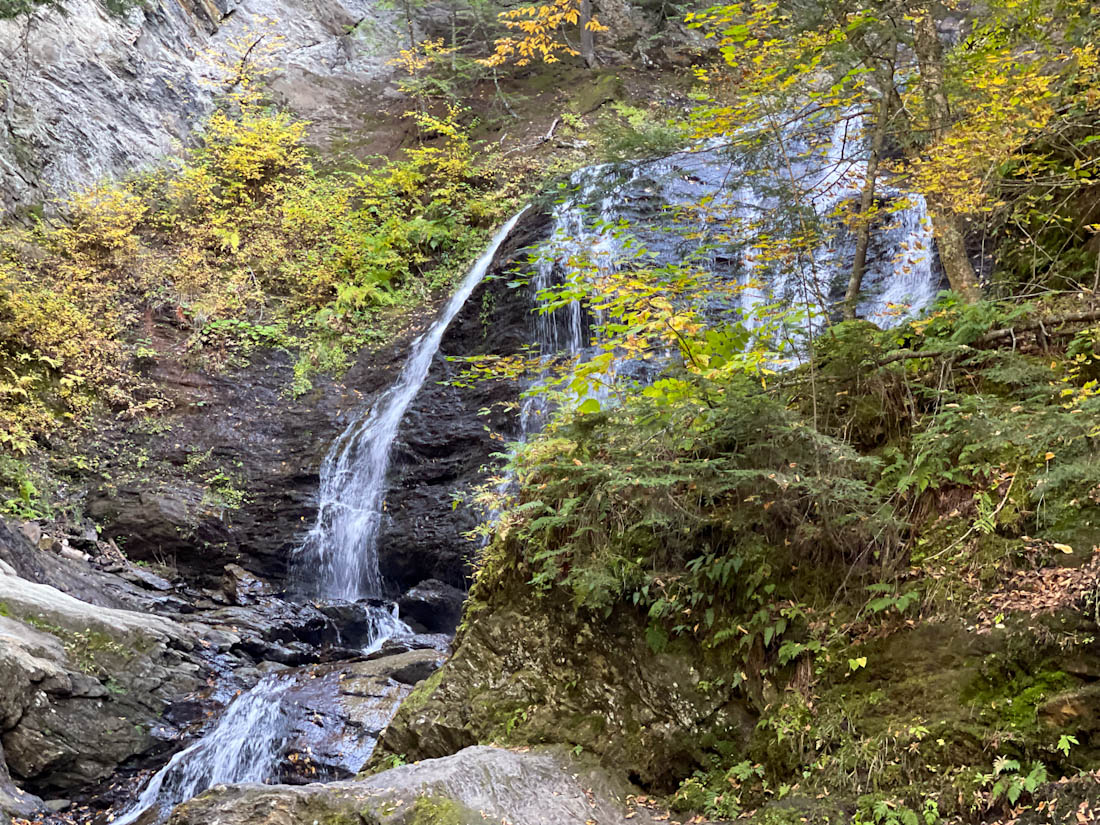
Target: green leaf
(656, 638)
(590, 405)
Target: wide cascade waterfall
(704, 207)
(339, 555)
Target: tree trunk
(947, 225)
(866, 201)
(588, 39)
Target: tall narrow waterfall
(339, 555)
(247, 743)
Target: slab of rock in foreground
(472, 787)
(81, 687)
(338, 712)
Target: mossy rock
(549, 676)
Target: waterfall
(617, 214)
(339, 555)
(244, 746)
(247, 742)
(707, 207)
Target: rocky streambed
(97, 697)
(99, 691)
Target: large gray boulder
(81, 686)
(532, 671)
(472, 787)
(14, 800)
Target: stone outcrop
(241, 422)
(339, 712)
(14, 800)
(432, 606)
(78, 578)
(531, 673)
(84, 686)
(477, 785)
(88, 93)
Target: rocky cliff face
(84, 686)
(446, 442)
(159, 486)
(151, 491)
(87, 94)
(528, 670)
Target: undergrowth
(824, 539)
(241, 243)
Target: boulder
(14, 801)
(432, 606)
(242, 587)
(527, 673)
(20, 553)
(1076, 709)
(475, 786)
(147, 579)
(339, 711)
(83, 686)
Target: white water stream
(244, 746)
(340, 555)
(648, 212)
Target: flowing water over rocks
(339, 556)
(244, 746)
(704, 208)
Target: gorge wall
(87, 94)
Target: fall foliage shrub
(241, 227)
